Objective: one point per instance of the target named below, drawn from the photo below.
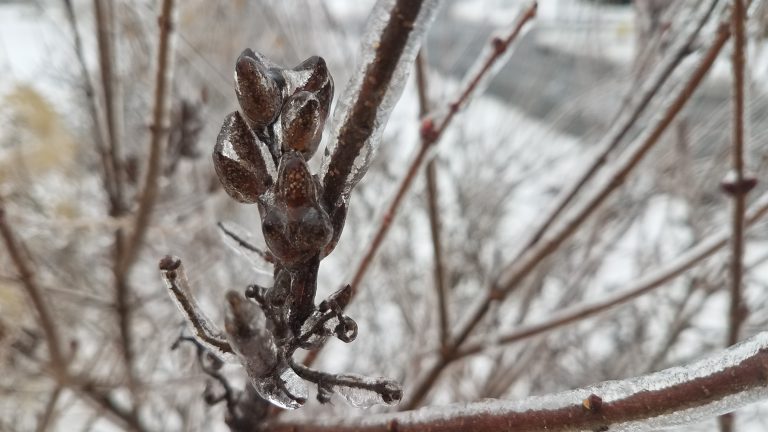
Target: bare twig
(431, 134)
(108, 173)
(433, 208)
(675, 396)
(104, 25)
(704, 249)
(47, 417)
(22, 261)
(739, 186)
(158, 134)
(360, 124)
(524, 265)
(619, 130)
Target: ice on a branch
(364, 392)
(348, 104)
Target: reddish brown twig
(430, 135)
(738, 186)
(704, 249)
(158, 134)
(672, 397)
(22, 262)
(433, 209)
(360, 124)
(624, 124)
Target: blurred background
(499, 168)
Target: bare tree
(499, 278)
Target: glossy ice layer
(377, 22)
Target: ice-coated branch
(521, 267)
(205, 331)
(681, 395)
(641, 286)
(396, 28)
(619, 130)
(738, 184)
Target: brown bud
(301, 124)
(242, 162)
(258, 92)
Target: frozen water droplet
(282, 388)
(365, 392)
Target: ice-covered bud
(258, 89)
(246, 328)
(313, 76)
(242, 162)
(295, 227)
(301, 124)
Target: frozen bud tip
(169, 263)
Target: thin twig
(739, 188)
(47, 417)
(433, 208)
(21, 259)
(108, 174)
(704, 249)
(360, 123)
(720, 383)
(104, 25)
(621, 128)
(527, 262)
(431, 134)
(158, 136)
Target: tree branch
(158, 135)
(624, 124)
(524, 265)
(721, 383)
(431, 134)
(739, 185)
(433, 208)
(704, 249)
(394, 50)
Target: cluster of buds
(261, 157)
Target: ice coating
(205, 332)
(243, 163)
(301, 124)
(242, 242)
(296, 226)
(246, 330)
(491, 50)
(282, 387)
(345, 109)
(365, 392)
(259, 93)
(744, 366)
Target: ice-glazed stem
(205, 331)
(396, 28)
(715, 385)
